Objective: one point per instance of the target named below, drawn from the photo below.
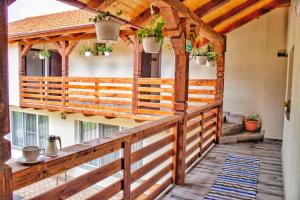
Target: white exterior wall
(291, 136)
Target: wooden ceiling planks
(209, 6)
(253, 15)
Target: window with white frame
(89, 130)
(29, 129)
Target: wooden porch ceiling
(222, 15)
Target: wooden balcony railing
(112, 97)
(173, 144)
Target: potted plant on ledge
(107, 29)
(104, 50)
(211, 55)
(44, 53)
(85, 51)
(200, 56)
(152, 36)
(252, 122)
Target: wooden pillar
(5, 147)
(127, 170)
(181, 96)
(23, 50)
(220, 86)
(136, 73)
(64, 59)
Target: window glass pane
(43, 123)
(17, 129)
(30, 129)
(88, 131)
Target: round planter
(41, 56)
(87, 54)
(107, 53)
(107, 31)
(251, 126)
(211, 63)
(151, 45)
(201, 60)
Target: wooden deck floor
(202, 176)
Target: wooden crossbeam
(209, 6)
(126, 39)
(71, 47)
(205, 29)
(232, 12)
(267, 8)
(100, 4)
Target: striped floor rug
(237, 179)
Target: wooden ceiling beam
(267, 8)
(205, 29)
(100, 4)
(209, 6)
(232, 12)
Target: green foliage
(103, 48)
(199, 52)
(103, 15)
(252, 117)
(45, 53)
(84, 49)
(155, 29)
(211, 53)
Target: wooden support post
(180, 150)
(5, 148)
(220, 86)
(23, 50)
(127, 170)
(136, 73)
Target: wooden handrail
(111, 97)
(184, 152)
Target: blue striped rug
(237, 179)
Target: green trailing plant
(45, 53)
(84, 49)
(155, 29)
(252, 117)
(103, 15)
(199, 52)
(103, 48)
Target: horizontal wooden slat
(192, 138)
(82, 182)
(154, 97)
(201, 99)
(202, 91)
(107, 192)
(99, 80)
(209, 126)
(116, 95)
(146, 151)
(156, 81)
(159, 189)
(99, 107)
(209, 117)
(155, 105)
(155, 89)
(202, 82)
(154, 112)
(193, 148)
(37, 85)
(148, 183)
(38, 90)
(193, 124)
(151, 165)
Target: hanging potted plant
(152, 36)
(252, 122)
(104, 50)
(85, 51)
(200, 55)
(44, 53)
(107, 29)
(211, 59)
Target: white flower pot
(88, 54)
(211, 63)
(201, 60)
(151, 45)
(107, 53)
(41, 56)
(107, 31)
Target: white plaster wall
(13, 72)
(254, 75)
(291, 136)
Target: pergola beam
(209, 6)
(232, 12)
(259, 12)
(206, 30)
